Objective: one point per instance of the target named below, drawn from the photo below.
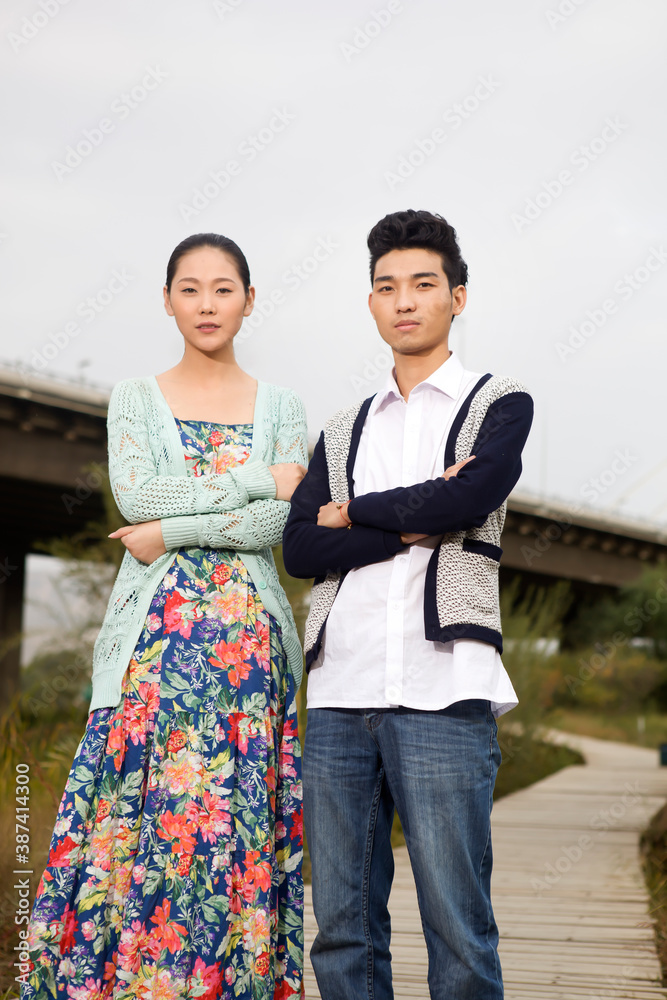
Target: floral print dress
(175, 863)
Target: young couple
(175, 861)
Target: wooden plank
(574, 924)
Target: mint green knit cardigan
(236, 510)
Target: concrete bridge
(53, 464)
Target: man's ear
(459, 299)
(370, 304)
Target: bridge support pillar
(12, 583)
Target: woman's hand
(143, 541)
(287, 475)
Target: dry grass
(653, 846)
(47, 748)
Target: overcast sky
(536, 128)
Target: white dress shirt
(374, 654)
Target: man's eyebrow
(420, 274)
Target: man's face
(411, 301)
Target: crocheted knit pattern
(467, 582)
(337, 441)
(140, 458)
(149, 482)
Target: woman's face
(207, 299)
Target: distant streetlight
(85, 363)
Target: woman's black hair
(215, 241)
(424, 230)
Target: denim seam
(365, 891)
(420, 907)
(492, 734)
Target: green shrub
(532, 624)
(625, 680)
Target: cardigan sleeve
(255, 525)
(290, 433)
(465, 501)
(311, 550)
(141, 494)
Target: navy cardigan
(459, 504)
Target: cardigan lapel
(457, 423)
(171, 438)
(357, 428)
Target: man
(403, 638)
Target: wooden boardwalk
(568, 889)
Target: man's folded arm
(310, 550)
(464, 501)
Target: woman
(175, 862)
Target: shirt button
(392, 695)
(262, 584)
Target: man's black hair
(424, 230)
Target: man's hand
(143, 541)
(408, 537)
(287, 475)
(454, 469)
(331, 517)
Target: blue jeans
(438, 769)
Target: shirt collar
(446, 379)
